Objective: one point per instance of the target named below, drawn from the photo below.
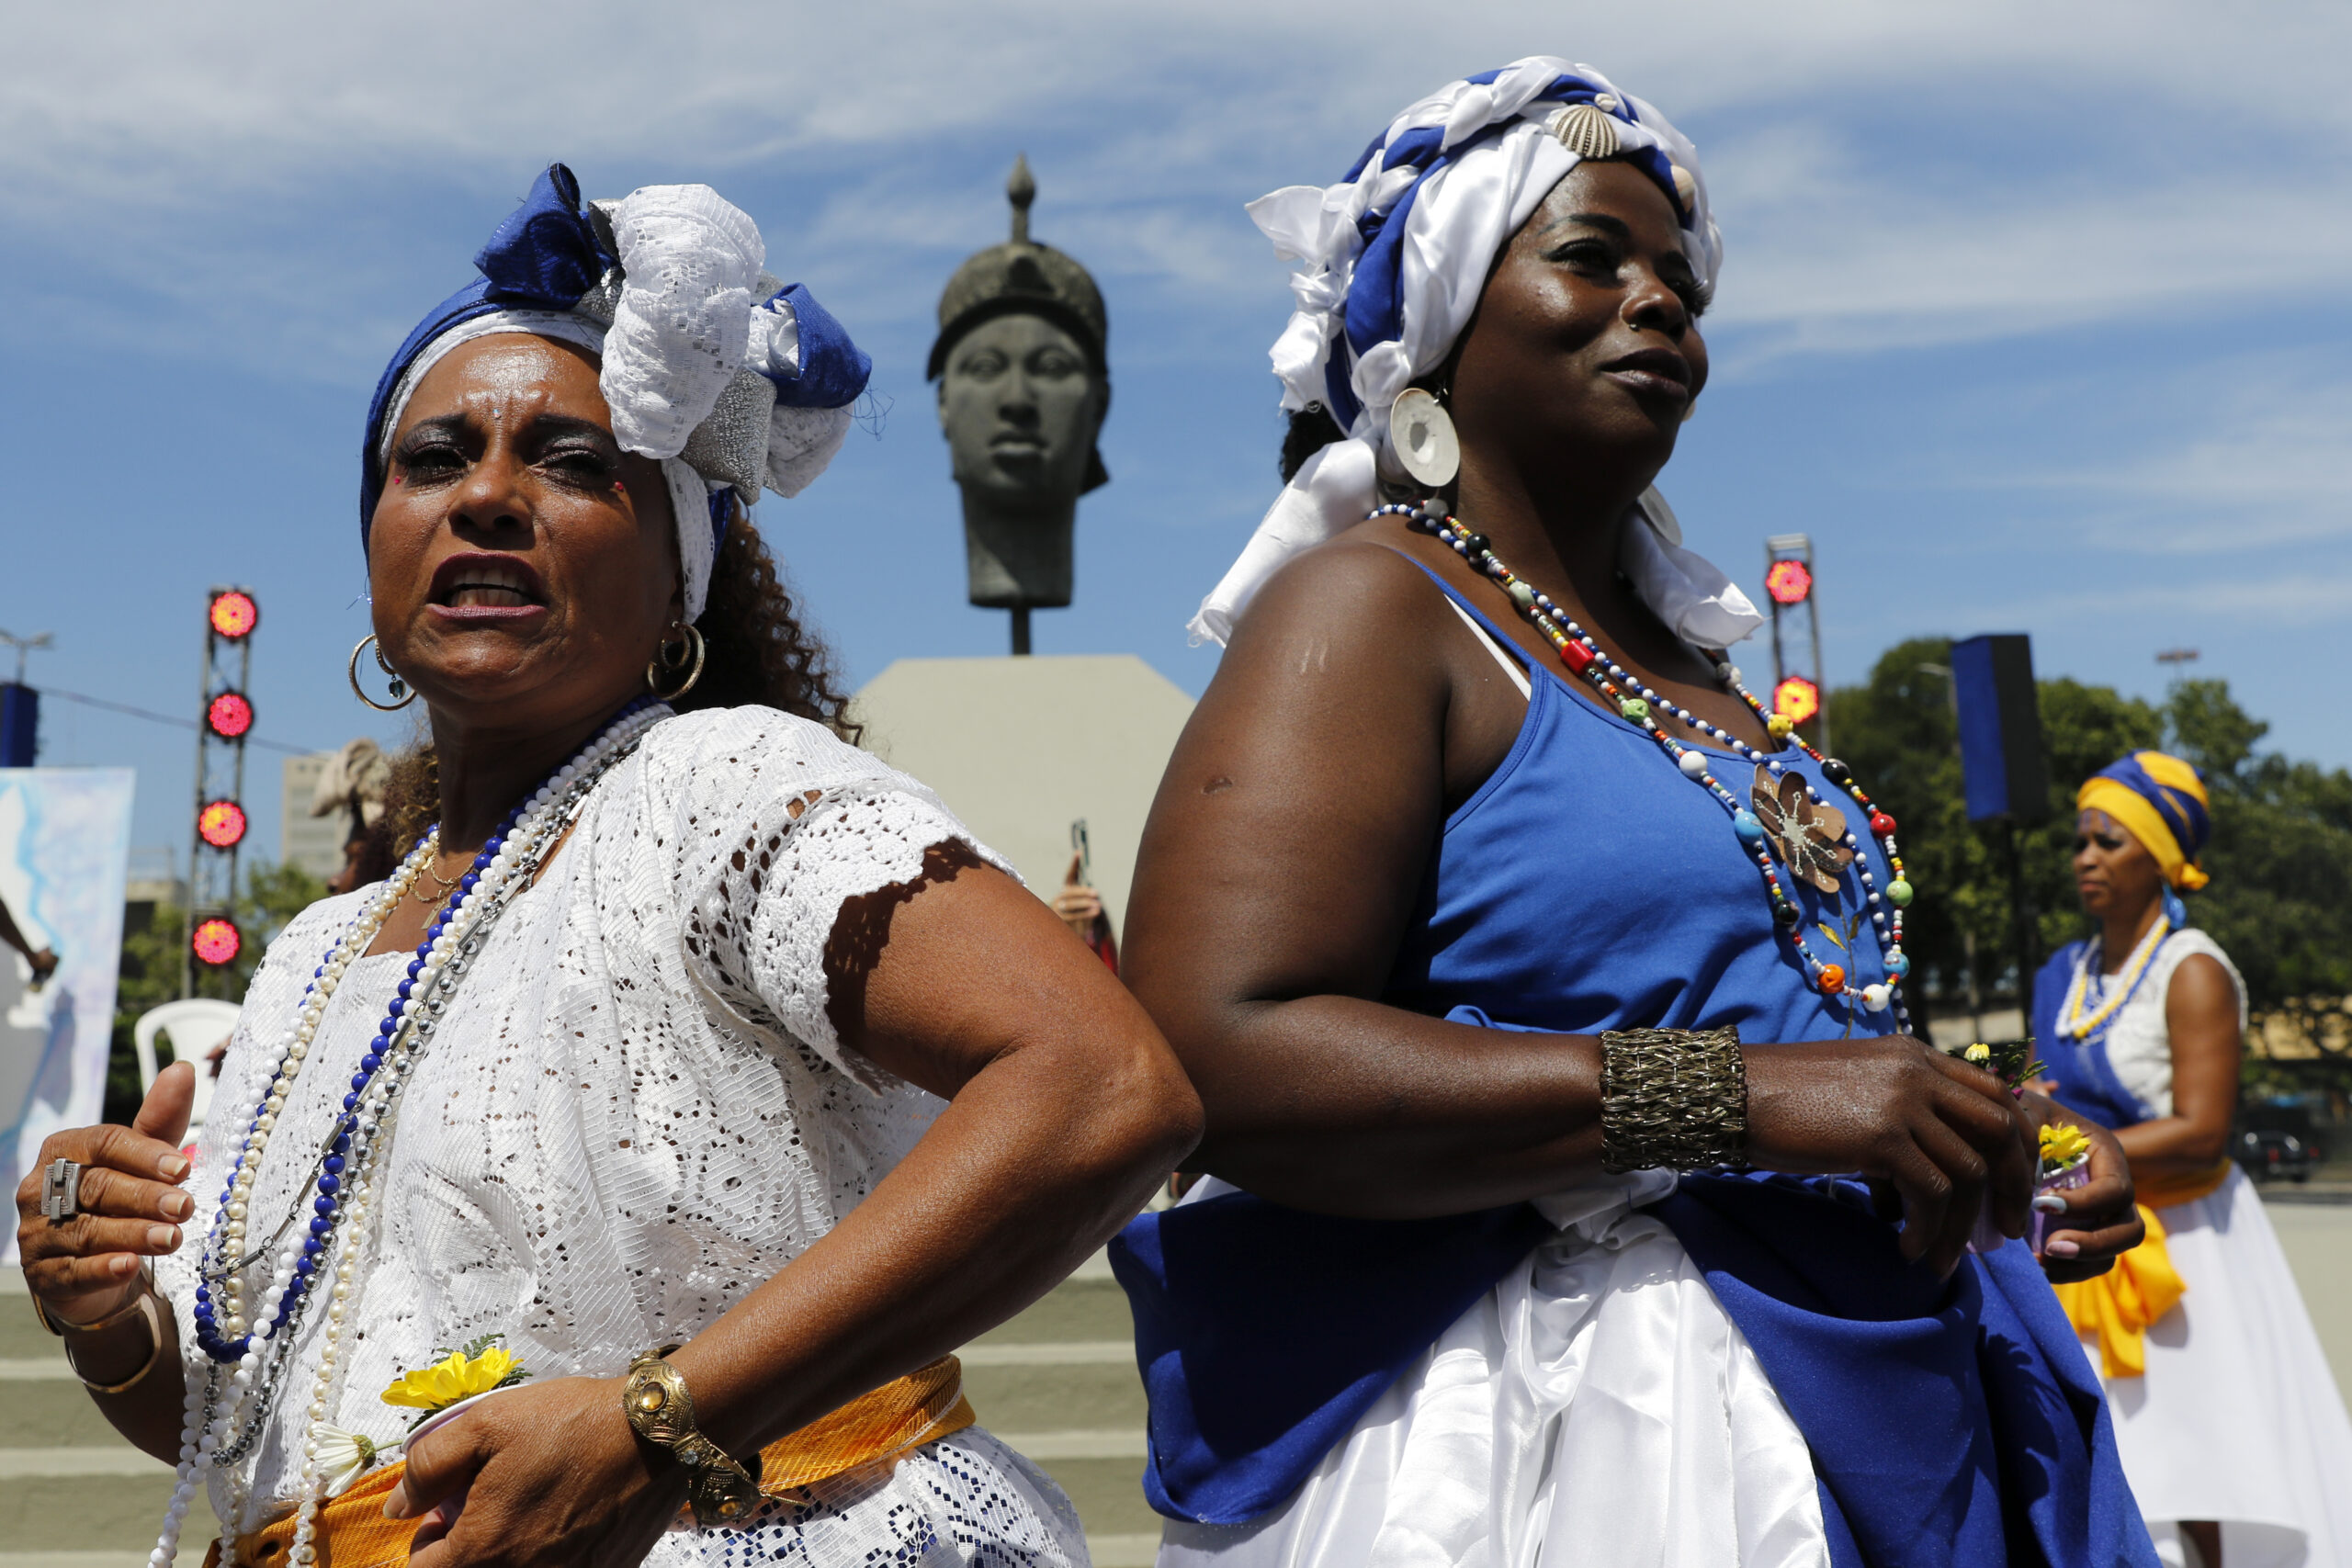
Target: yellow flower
(447, 1381)
(1979, 1052)
(2063, 1146)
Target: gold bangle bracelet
(659, 1410)
(61, 1326)
(147, 1304)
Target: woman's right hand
(1947, 1136)
(131, 1205)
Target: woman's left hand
(547, 1475)
(2102, 1220)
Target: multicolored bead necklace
(226, 1414)
(1625, 694)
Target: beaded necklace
(225, 1415)
(2070, 1018)
(1639, 705)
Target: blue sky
(2034, 316)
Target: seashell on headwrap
(733, 380)
(1394, 257)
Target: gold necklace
(448, 885)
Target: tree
(2280, 856)
(2280, 860)
(1901, 737)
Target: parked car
(2277, 1138)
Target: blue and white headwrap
(1396, 257)
(731, 377)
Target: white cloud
(1891, 175)
(2221, 455)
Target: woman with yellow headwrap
(2225, 1414)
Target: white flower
(343, 1457)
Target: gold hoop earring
(402, 693)
(688, 657)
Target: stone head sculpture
(1023, 385)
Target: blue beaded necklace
(333, 1163)
(1635, 703)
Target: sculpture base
(1020, 747)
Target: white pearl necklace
(220, 1423)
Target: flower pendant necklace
(1782, 813)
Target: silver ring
(61, 1191)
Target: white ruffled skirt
(2238, 1418)
(961, 1500)
(1596, 1407)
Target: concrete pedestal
(1019, 748)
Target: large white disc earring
(403, 693)
(1422, 434)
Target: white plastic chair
(193, 1025)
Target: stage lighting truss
(213, 941)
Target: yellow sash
(2122, 1305)
(893, 1418)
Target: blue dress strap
(2086, 1076)
(1495, 634)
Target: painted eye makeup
(428, 453)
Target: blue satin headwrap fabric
(549, 266)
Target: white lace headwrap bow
(1394, 258)
(732, 379)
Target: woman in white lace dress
(698, 1029)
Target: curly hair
(1310, 430)
(757, 654)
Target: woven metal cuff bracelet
(1672, 1099)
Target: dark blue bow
(544, 256)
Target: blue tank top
(1587, 885)
(2087, 1078)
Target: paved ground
(1058, 1382)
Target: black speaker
(2000, 729)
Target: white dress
(2237, 1418)
(1596, 1408)
(634, 1113)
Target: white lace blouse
(2139, 1040)
(634, 1113)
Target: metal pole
(1020, 631)
(1813, 616)
(237, 791)
(2021, 924)
(196, 813)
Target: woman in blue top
(1459, 884)
(2226, 1418)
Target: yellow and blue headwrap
(2161, 802)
